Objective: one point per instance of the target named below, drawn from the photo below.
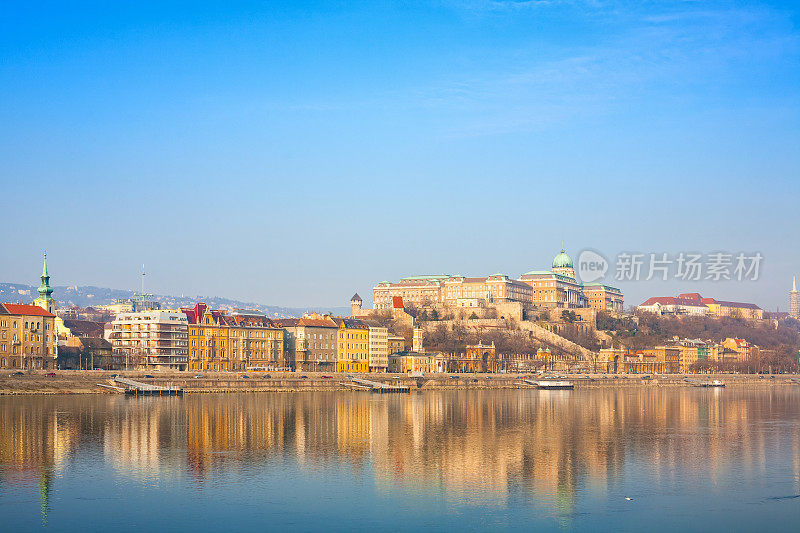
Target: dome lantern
(562, 260)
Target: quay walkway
(137, 388)
(381, 388)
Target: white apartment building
(155, 339)
(378, 349)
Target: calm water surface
(465, 460)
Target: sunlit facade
(219, 341)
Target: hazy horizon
(295, 153)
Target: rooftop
(671, 300)
(24, 309)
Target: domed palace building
(559, 288)
(556, 287)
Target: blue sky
(293, 153)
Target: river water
(698, 459)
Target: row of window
(135, 342)
(265, 334)
(234, 343)
(353, 346)
(26, 350)
(328, 336)
(28, 325)
(255, 354)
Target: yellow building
(352, 346)
(396, 344)
(714, 352)
(688, 357)
(661, 359)
(671, 356)
(477, 358)
(642, 362)
(222, 342)
(27, 337)
(722, 308)
(719, 308)
(609, 360)
(738, 351)
(406, 362)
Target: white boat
(697, 383)
(551, 385)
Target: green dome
(562, 260)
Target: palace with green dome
(557, 287)
(560, 288)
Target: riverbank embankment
(90, 381)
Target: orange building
(239, 341)
(27, 337)
(603, 298)
(478, 358)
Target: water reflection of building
(549, 449)
(136, 431)
(36, 441)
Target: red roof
(671, 300)
(196, 314)
(25, 309)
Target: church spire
(45, 299)
(45, 291)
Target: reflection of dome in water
(562, 260)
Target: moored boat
(551, 384)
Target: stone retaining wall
(76, 382)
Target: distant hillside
(93, 296)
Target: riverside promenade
(96, 381)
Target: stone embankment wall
(76, 382)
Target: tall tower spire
(794, 299)
(45, 299)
